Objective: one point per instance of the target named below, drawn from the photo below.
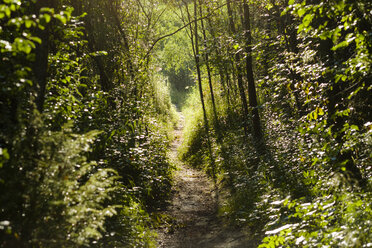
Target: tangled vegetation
(85, 126)
(277, 99)
(287, 118)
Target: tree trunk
(221, 67)
(40, 67)
(208, 68)
(256, 123)
(197, 63)
(239, 72)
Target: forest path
(193, 211)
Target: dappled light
(200, 123)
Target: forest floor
(192, 213)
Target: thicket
(85, 124)
(282, 116)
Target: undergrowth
(285, 195)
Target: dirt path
(193, 212)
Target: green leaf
(28, 23)
(61, 18)
(7, 11)
(36, 39)
(301, 12)
(340, 45)
(47, 18)
(269, 6)
(307, 19)
(325, 35)
(49, 10)
(354, 127)
(23, 45)
(320, 111)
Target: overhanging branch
(179, 29)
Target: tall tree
(207, 63)
(256, 123)
(239, 70)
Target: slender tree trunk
(208, 68)
(114, 10)
(239, 72)
(231, 81)
(99, 62)
(197, 63)
(256, 123)
(103, 78)
(40, 67)
(221, 68)
(225, 88)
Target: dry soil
(193, 212)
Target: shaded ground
(193, 212)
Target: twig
(179, 29)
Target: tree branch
(179, 29)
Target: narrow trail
(193, 211)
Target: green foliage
(330, 154)
(72, 194)
(64, 199)
(70, 68)
(166, 111)
(308, 184)
(338, 220)
(63, 184)
(193, 147)
(130, 227)
(174, 56)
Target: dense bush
(82, 143)
(307, 182)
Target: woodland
(276, 95)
